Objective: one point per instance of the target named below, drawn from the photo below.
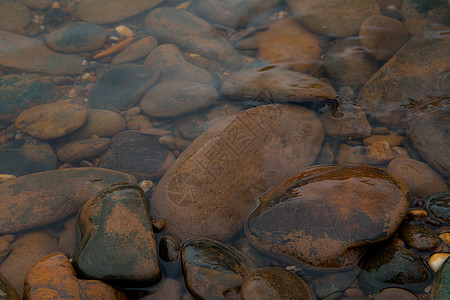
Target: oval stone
(218, 178)
(174, 98)
(419, 237)
(43, 198)
(101, 122)
(53, 120)
(14, 15)
(213, 269)
(76, 151)
(324, 216)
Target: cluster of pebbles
(247, 149)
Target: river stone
(7, 290)
(117, 241)
(348, 64)
(218, 178)
(191, 126)
(420, 16)
(382, 36)
(19, 92)
(271, 283)
(38, 4)
(24, 54)
(393, 266)
(289, 45)
(174, 98)
(52, 120)
(277, 85)
(394, 294)
(122, 86)
(77, 37)
(50, 196)
(111, 11)
(329, 284)
(429, 134)
(53, 276)
(25, 156)
(441, 286)
(192, 34)
(137, 154)
(414, 78)
(169, 59)
(325, 216)
(419, 237)
(28, 249)
(439, 206)
(76, 151)
(104, 123)
(14, 15)
(420, 178)
(213, 270)
(167, 288)
(337, 18)
(135, 51)
(233, 14)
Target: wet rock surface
(349, 198)
(135, 51)
(215, 181)
(137, 154)
(419, 237)
(213, 269)
(441, 287)
(76, 151)
(115, 227)
(7, 289)
(439, 206)
(34, 206)
(54, 276)
(421, 16)
(13, 16)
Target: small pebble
(445, 237)
(436, 260)
(158, 225)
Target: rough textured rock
(25, 252)
(52, 120)
(271, 283)
(382, 36)
(25, 156)
(216, 180)
(135, 51)
(53, 276)
(324, 216)
(192, 34)
(414, 78)
(117, 241)
(420, 178)
(289, 45)
(439, 206)
(74, 152)
(110, 11)
(213, 269)
(14, 15)
(137, 154)
(174, 98)
(236, 13)
(122, 86)
(348, 64)
(19, 92)
(429, 134)
(421, 16)
(50, 196)
(419, 237)
(169, 59)
(337, 18)
(23, 54)
(393, 266)
(77, 37)
(277, 85)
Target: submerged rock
(43, 198)
(324, 216)
(117, 241)
(218, 178)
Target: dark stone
(122, 86)
(439, 206)
(393, 266)
(19, 92)
(419, 237)
(336, 282)
(441, 287)
(169, 250)
(25, 156)
(117, 241)
(213, 269)
(137, 154)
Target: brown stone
(100, 122)
(14, 15)
(167, 288)
(216, 180)
(67, 240)
(382, 36)
(351, 156)
(25, 252)
(379, 153)
(419, 17)
(325, 216)
(392, 139)
(5, 248)
(54, 277)
(53, 120)
(7, 291)
(135, 51)
(74, 152)
(289, 45)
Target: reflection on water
(211, 107)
